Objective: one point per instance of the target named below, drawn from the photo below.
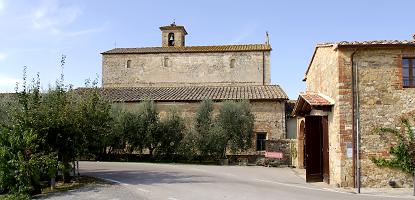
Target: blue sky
(35, 33)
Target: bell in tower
(173, 35)
(171, 39)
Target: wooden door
(325, 132)
(313, 149)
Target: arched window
(232, 63)
(171, 39)
(128, 65)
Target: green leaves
(237, 123)
(403, 153)
(232, 128)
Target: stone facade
(179, 76)
(382, 102)
(184, 69)
(325, 61)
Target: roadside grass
(75, 183)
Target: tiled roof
(370, 43)
(191, 49)
(289, 106)
(194, 93)
(315, 99)
(309, 100)
(356, 44)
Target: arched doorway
(300, 151)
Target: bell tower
(173, 35)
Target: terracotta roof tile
(193, 93)
(370, 43)
(191, 49)
(309, 100)
(315, 99)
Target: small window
(166, 62)
(260, 141)
(128, 65)
(408, 72)
(232, 63)
(171, 39)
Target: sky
(36, 33)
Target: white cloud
(52, 15)
(2, 2)
(3, 56)
(7, 84)
(247, 31)
(86, 31)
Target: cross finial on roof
(174, 23)
(413, 36)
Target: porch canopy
(309, 101)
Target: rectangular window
(260, 141)
(408, 72)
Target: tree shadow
(145, 177)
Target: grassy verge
(75, 183)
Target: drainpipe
(356, 114)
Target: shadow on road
(135, 177)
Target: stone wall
(344, 108)
(184, 69)
(323, 77)
(286, 147)
(269, 116)
(383, 101)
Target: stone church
(180, 76)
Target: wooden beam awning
(308, 101)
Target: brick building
(180, 76)
(352, 88)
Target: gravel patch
(102, 192)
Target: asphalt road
(200, 182)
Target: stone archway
(300, 144)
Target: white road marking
(114, 181)
(229, 174)
(172, 198)
(143, 190)
(291, 185)
(125, 184)
(332, 190)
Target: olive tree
(149, 125)
(235, 123)
(172, 130)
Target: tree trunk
(52, 184)
(151, 152)
(73, 168)
(77, 166)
